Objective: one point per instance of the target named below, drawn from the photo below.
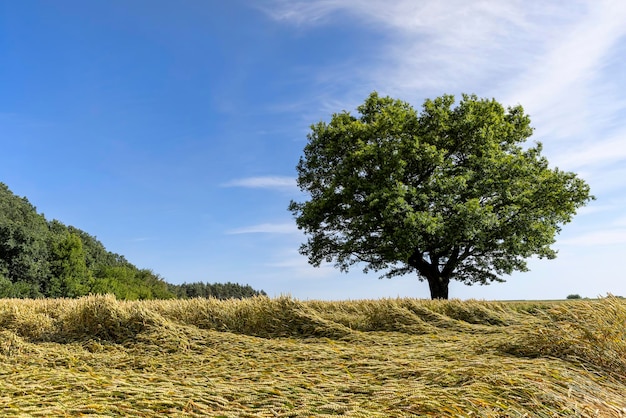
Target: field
(281, 357)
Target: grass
(281, 357)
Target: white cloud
(539, 49)
(435, 45)
(565, 89)
(266, 228)
(605, 151)
(588, 210)
(298, 266)
(593, 239)
(406, 15)
(607, 182)
(264, 182)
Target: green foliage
(95, 253)
(23, 244)
(70, 276)
(129, 283)
(19, 289)
(575, 296)
(450, 193)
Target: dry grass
(261, 357)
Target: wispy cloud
(264, 182)
(593, 239)
(588, 210)
(564, 87)
(432, 45)
(531, 51)
(298, 266)
(266, 228)
(604, 151)
(142, 239)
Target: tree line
(41, 258)
(226, 290)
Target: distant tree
(450, 194)
(95, 253)
(18, 289)
(576, 296)
(129, 283)
(24, 247)
(70, 276)
(226, 290)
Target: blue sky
(171, 129)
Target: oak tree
(449, 193)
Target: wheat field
(281, 357)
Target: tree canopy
(450, 193)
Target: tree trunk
(438, 287)
(437, 280)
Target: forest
(48, 259)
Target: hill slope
(41, 258)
